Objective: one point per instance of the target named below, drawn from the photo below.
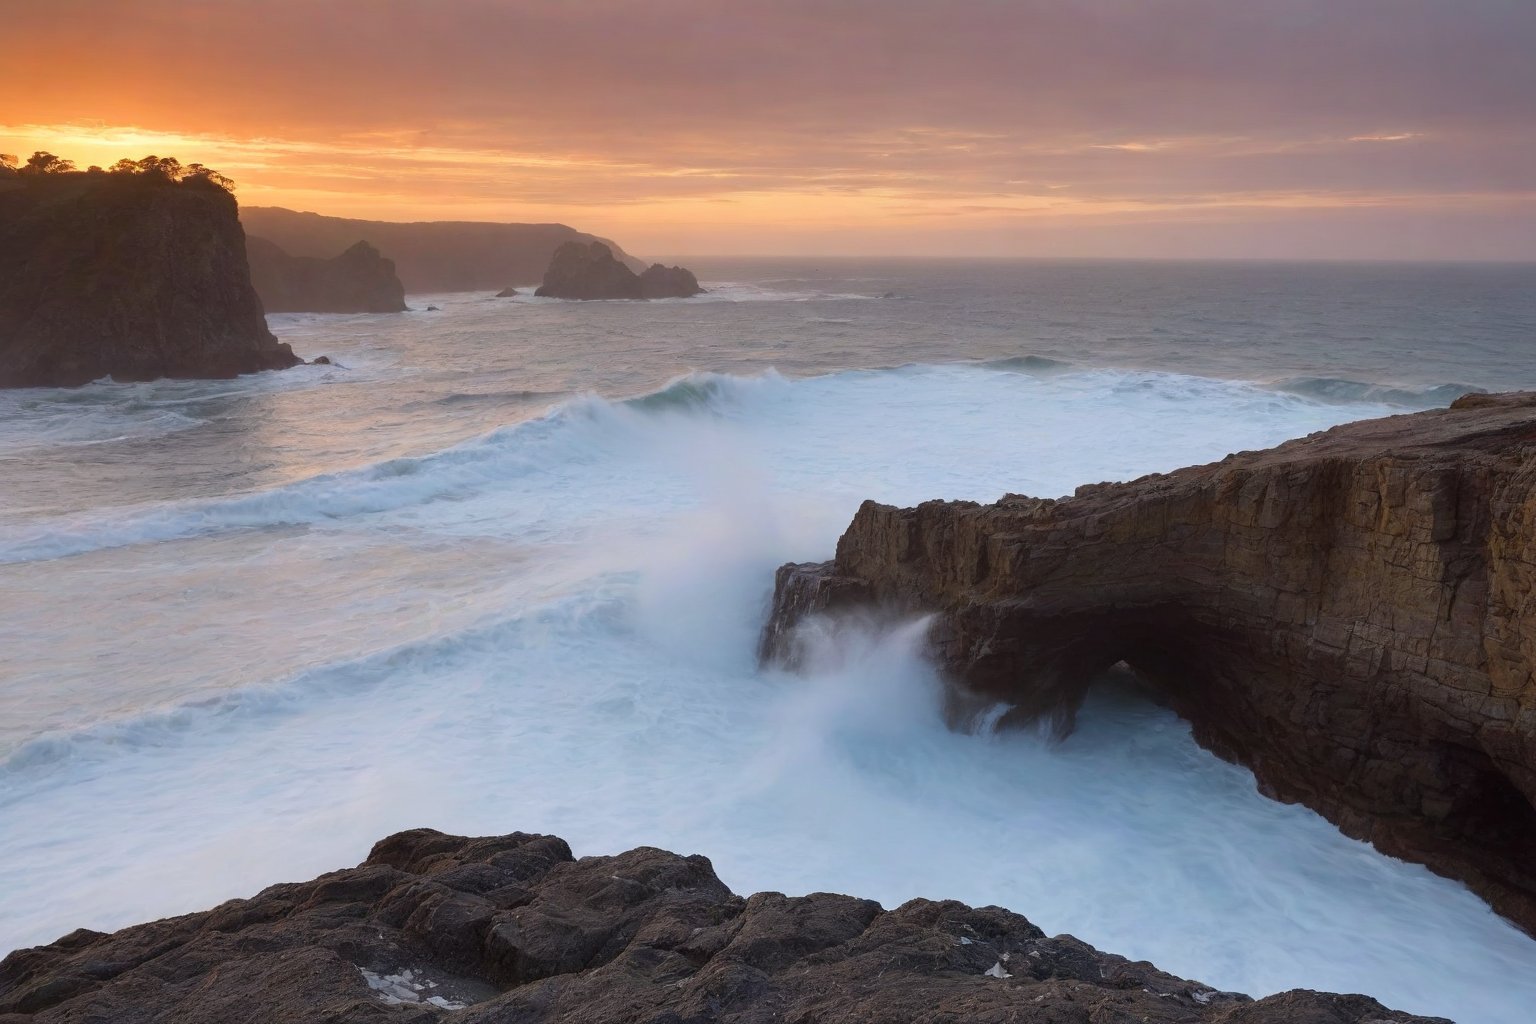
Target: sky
(1392, 129)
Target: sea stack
(588, 270)
(360, 280)
(130, 276)
(1352, 615)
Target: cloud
(639, 112)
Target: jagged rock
(506, 293)
(491, 931)
(659, 282)
(360, 280)
(129, 276)
(588, 270)
(1352, 615)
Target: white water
(550, 628)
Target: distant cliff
(588, 270)
(430, 256)
(125, 276)
(360, 280)
(1352, 615)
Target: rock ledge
(513, 929)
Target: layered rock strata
(129, 277)
(513, 929)
(1352, 615)
(589, 270)
(359, 280)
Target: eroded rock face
(514, 929)
(360, 280)
(588, 270)
(1352, 615)
(128, 277)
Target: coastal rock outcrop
(588, 270)
(1352, 615)
(659, 282)
(360, 280)
(430, 256)
(513, 928)
(133, 277)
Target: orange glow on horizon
(683, 127)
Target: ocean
(503, 567)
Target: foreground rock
(126, 276)
(512, 929)
(360, 280)
(1352, 615)
(588, 270)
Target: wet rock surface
(122, 276)
(1351, 614)
(513, 929)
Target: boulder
(129, 276)
(1352, 615)
(513, 928)
(360, 280)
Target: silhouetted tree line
(163, 168)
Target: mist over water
(505, 570)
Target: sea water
(503, 567)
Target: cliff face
(360, 280)
(1352, 615)
(514, 929)
(137, 279)
(440, 256)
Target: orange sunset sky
(1244, 128)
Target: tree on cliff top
(42, 162)
(171, 169)
(155, 168)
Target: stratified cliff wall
(129, 277)
(360, 280)
(514, 928)
(1352, 615)
(430, 256)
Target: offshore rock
(360, 280)
(430, 256)
(513, 929)
(131, 277)
(1351, 615)
(588, 270)
(659, 282)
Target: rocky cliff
(1352, 615)
(129, 277)
(589, 270)
(432, 256)
(484, 931)
(360, 280)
